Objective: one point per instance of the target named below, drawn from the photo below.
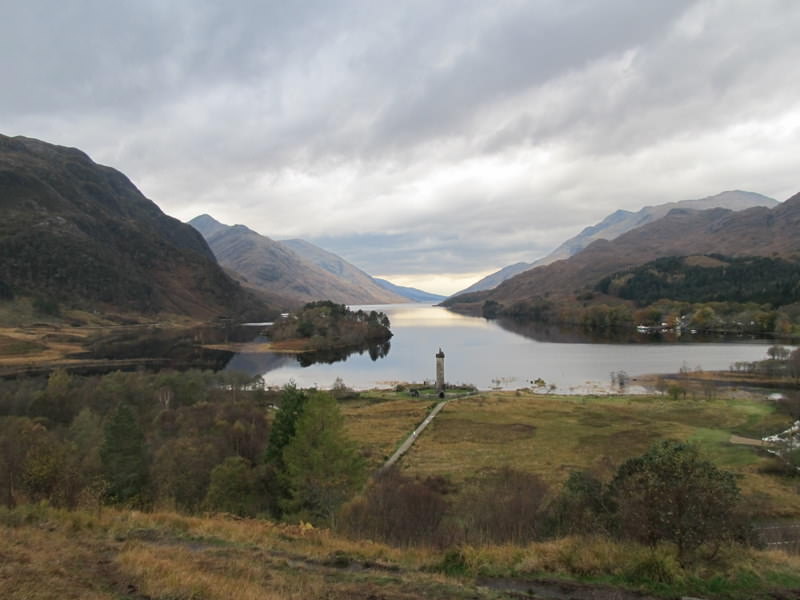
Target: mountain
(83, 235)
(756, 231)
(620, 222)
(341, 268)
(294, 269)
(413, 294)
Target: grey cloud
(414, 136)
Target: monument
(440, 372)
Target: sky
(426, 141)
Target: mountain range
(621, 222)
(81, 234)
(757, 231)
(293, 269)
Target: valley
(142, 409)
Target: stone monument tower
(440, 371)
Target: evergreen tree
(323, 468)
(124, 456)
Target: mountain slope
(756, 231)
(620, 222)
(362, 284)
(276, 268)
(82, 234)
(413, 294)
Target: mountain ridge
(83, 235)
(619, 222)
(756, 231)
(277, 267)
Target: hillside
(275, 267)
(79, 234)
(714, 278)
(753, 232)
(363, 285)
(413, 294)
(620, 222)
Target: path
(409, 441)
(737, 439)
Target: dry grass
(381, 426)
(49, 553)
(552, 436)
(176, 572)
(37, 564)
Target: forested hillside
(712, 278)
(78, 234)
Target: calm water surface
(494, 354)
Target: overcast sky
(427, 141)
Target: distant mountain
(207, 225)
(295, 269)
(81, 234)
(756, 231)
(413, 294)
(620, 222)
(341, 268)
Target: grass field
(381, 421)
(555, 435)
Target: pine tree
(323, 468)
(124, 456)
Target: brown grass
(380, 426)
(43, 563)
(48, 553)
(552, 436)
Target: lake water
(500, 354)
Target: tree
(16, 438)
(671, 493)
(293, 402)
(51, 470)
(181, 471)
(124, 456)
(235, 488)
(579, 507)
(283, 428)
(778, 352)
(323, 468)
(55, 403)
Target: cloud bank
(418, 139)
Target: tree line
(324, 325)
(757, 279)
(202, 441)
(192, 441)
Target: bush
(516, 515)
(671, 494)
(396, 509)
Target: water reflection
(424, 315)
(543, 332)
(490, 353)
(334, 355)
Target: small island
(325, 325)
